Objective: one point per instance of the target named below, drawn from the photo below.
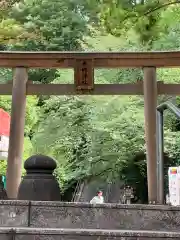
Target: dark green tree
(58, 23)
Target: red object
(4, 123)
(173, 171)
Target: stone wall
(62, 234)
(14, 213)
(84, 215)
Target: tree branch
(152, 10)
(160, 7)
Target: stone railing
(79, 234)
(86, 216)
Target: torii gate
(84, 64)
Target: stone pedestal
(39, 184)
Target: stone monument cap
(40, 162)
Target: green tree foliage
(143, 17)
(11, 31)
(58, 25)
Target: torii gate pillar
(150, 104)
(16, 139)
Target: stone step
(86, 216)
(82, 234)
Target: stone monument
(39, 184)
(128, 194)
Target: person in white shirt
(98, 199)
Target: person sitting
(99, 199)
